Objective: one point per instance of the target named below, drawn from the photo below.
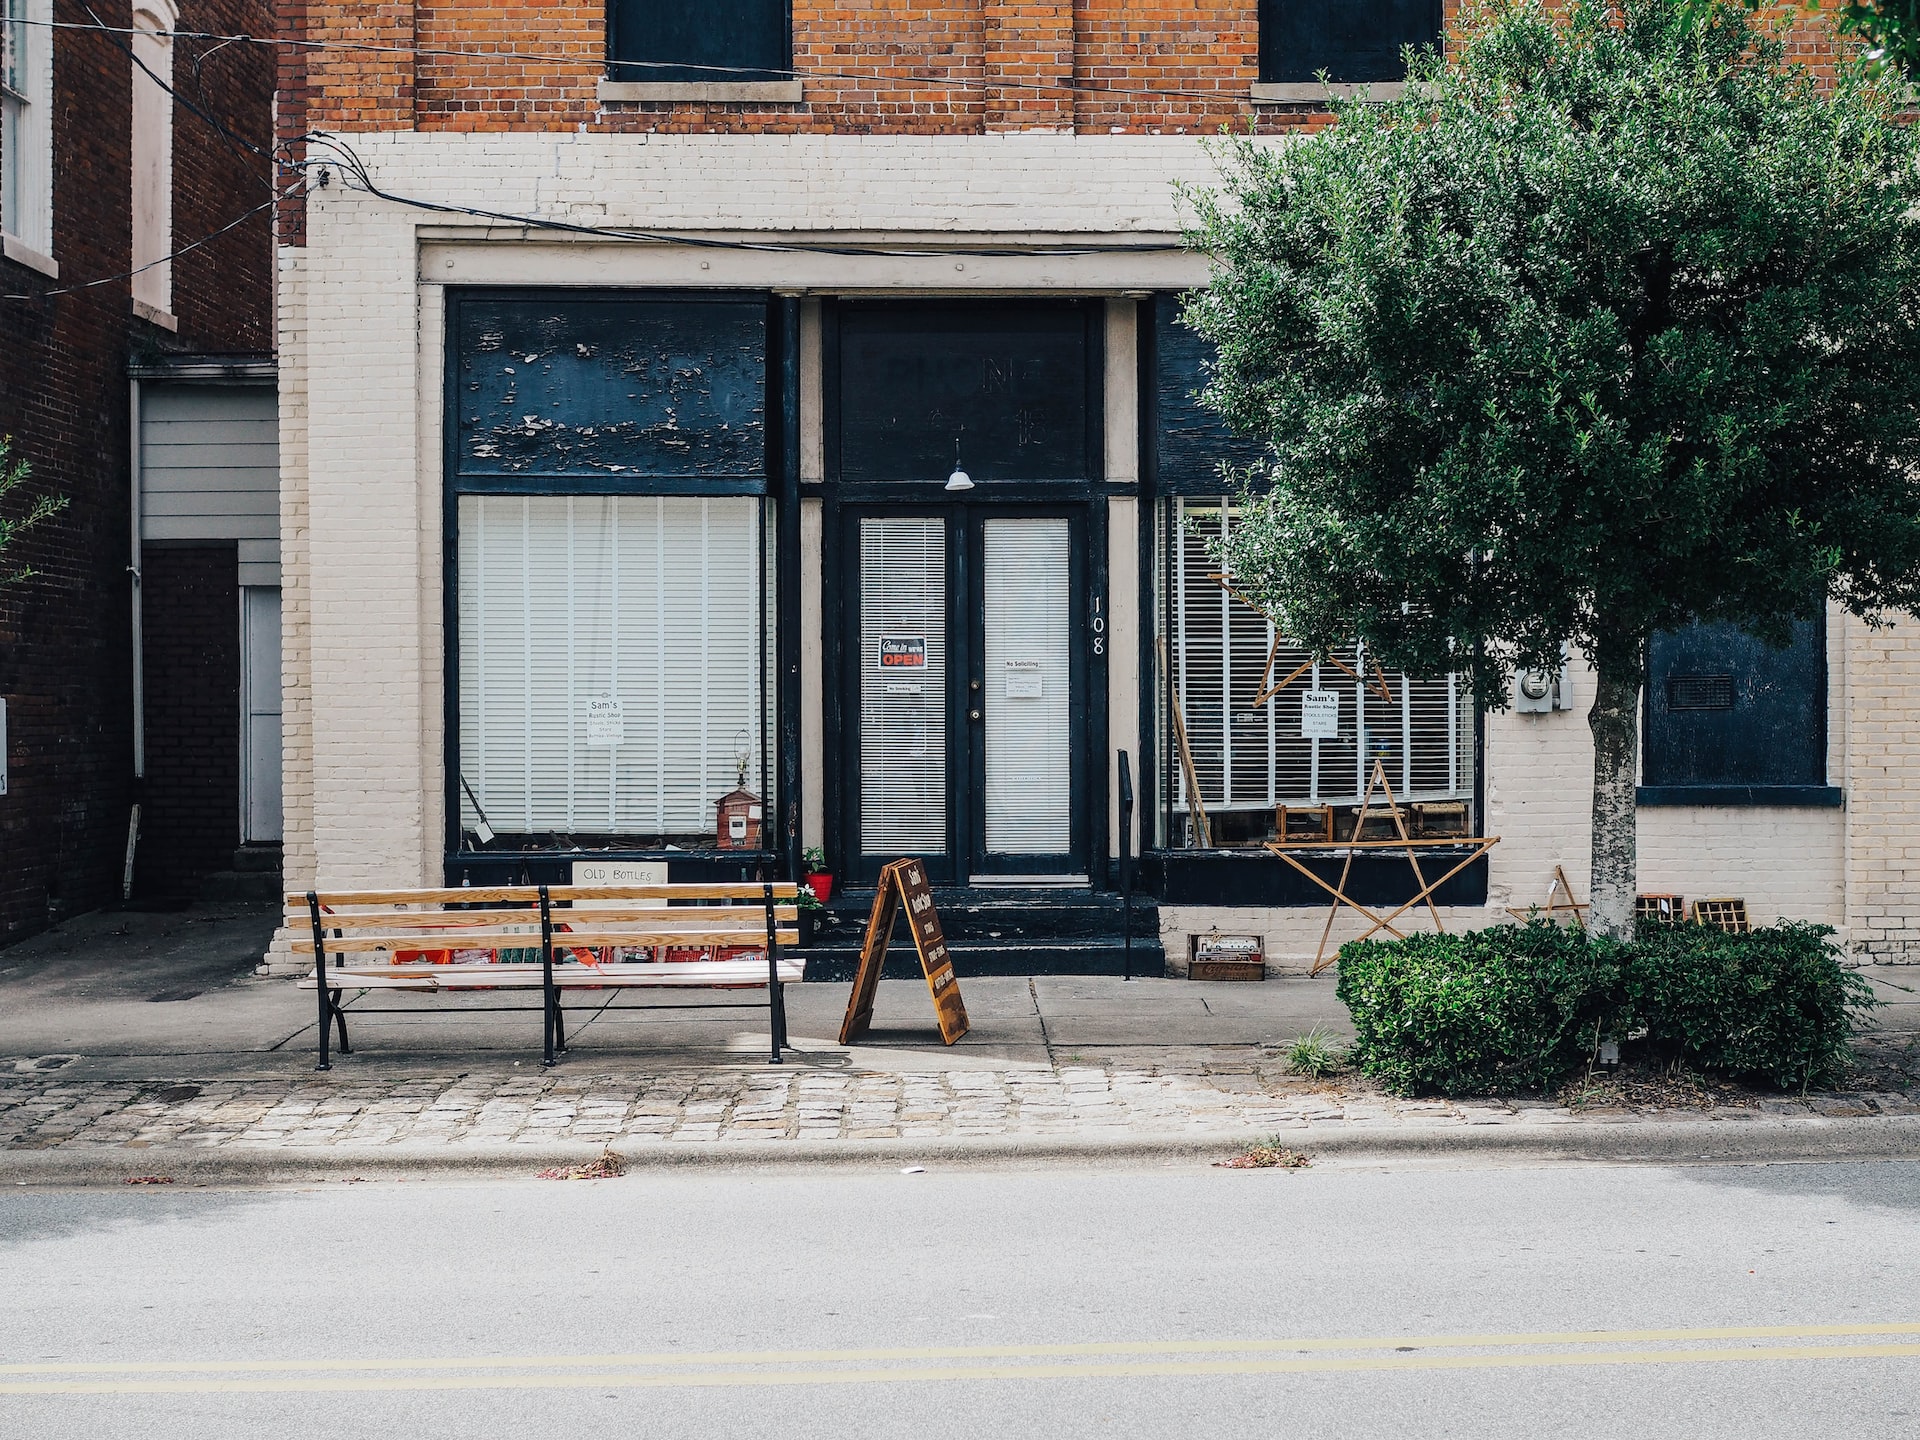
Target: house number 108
(1099, 628)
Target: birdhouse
(738, 822)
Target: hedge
(1521, 1008)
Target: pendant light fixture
(959, 479)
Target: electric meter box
(1540, 692)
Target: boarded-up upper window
(1351, 40)
(716, 41)
(1010, 390)
(630, 393)
(1191, 442)
(1725, 708)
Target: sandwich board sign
(903, 884)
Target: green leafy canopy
(1610, 322)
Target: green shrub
(1774, 1006)
(1520, 1007)
(1509, 1008)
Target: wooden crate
(1727, 913)
(1670, 908)
(1438, 819)
(1226, 957)
(1303, 822)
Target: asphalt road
(1356, 1301)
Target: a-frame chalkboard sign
(904, 883)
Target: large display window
(615, 679)
(612, 558)
(1230, 764)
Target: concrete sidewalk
(134, 1043)
(131, 996)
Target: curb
(1619, 1142)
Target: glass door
(967, 692)
(1026, 698)
(902, 686)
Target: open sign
(903, 652)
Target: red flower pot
(822, 887)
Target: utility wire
(353, 168)
(719, 72)
(218, 126)
(235, 223)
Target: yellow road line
(1117, 1369)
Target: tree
(13, 477)
(1610, 323)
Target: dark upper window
(1010, 390)
(625, 391)
(1190, 442)
(1352, 40)
(716, 41)
(1725, 709)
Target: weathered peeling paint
(613, 386)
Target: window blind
(613, 666)
(1248, 758)
(1027, 686)
(903, 686)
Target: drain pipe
(139, 653)
(1126, 866)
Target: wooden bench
(566, 937)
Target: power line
(188, 248)
(218, 126)
(354, 168)
(719, 72)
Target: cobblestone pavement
(1231, 1093)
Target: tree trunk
(1615, 722)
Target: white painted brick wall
(361, 360)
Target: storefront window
(614, 680)
(612, 606)
(1229, 765)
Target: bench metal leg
(326, 1005)
(340, 1019)
(551, 1032)
(559, 1024)
(776, 1002)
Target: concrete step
(252, 886)
(1108, 957)
(998, 930)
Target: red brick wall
(65, 646)
(870, 66)
(190, 821)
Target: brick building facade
(856, 374)
(74, 325)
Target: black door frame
(1084, 495)
(1076, 860)
(966, 752)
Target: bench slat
(692, 974)
(743, 890)
(715, 916)
(567, 940)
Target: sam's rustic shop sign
(904, 883)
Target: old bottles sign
(903, 885)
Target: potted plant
(813, 860)
(810, 910)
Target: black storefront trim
(1255, 878)
(779, 479)
(555, 867)
(1805, 796)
